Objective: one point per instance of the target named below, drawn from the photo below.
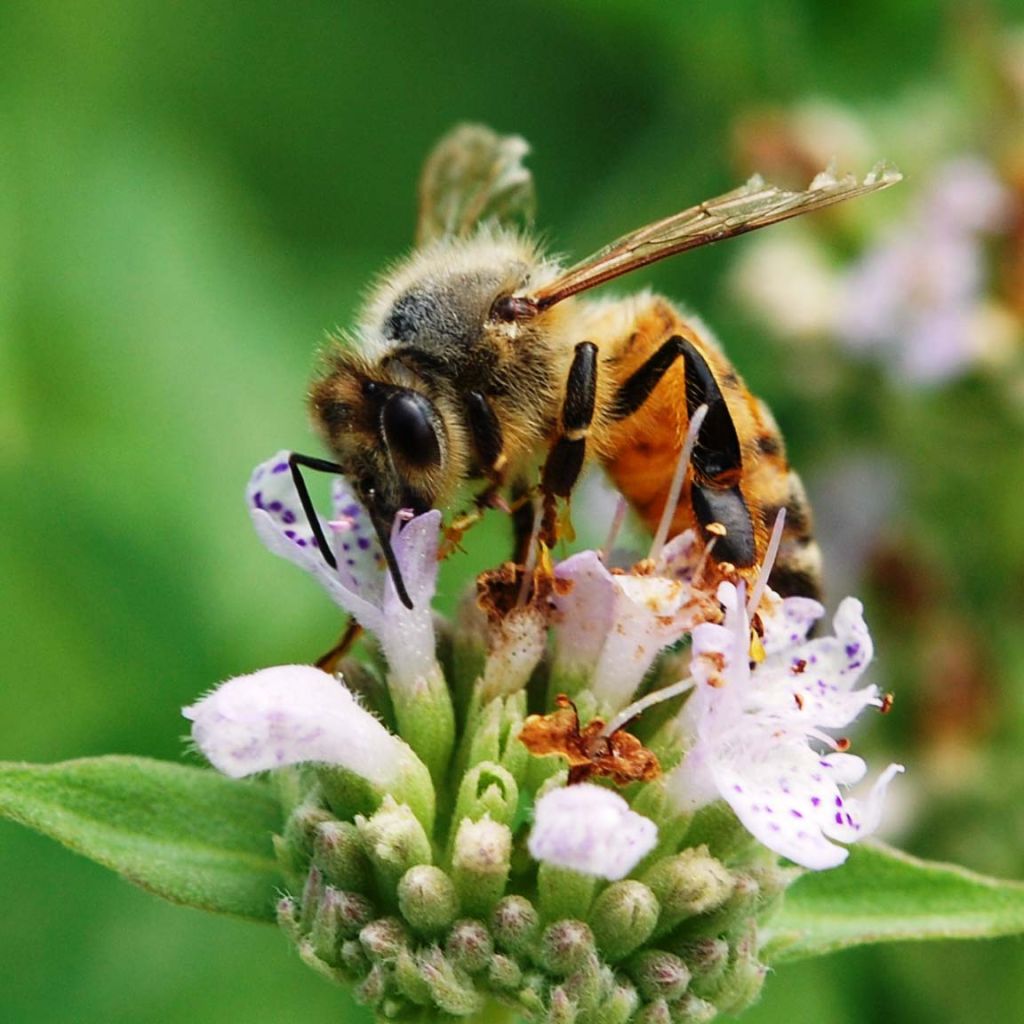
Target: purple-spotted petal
(361, 583)
(590, 829)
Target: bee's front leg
(567, 455)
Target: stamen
(531, 556)
(703, 561)
(768, 564)
(661, 535)
(405, 515)
(613, 531)
(342, 524)
(639, 706)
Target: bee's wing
(753, 205)
(473, 175)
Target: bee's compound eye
(406, 420)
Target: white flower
(590, 829)
(749, 727)
(361, 583)
(610, 626)
(291, 714)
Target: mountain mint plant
(599, 795)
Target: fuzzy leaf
(186, 834)
(882, 895)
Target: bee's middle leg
(567, 455)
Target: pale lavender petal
(590, 829)
(584, 615)
(289, 715)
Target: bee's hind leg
(717, 459)
(567, 455)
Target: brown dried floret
(620, 756)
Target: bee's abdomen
(641, 451)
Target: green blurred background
(192, 193)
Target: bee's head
(391, 440)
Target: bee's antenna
(389, 556)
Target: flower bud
(654, 1013)
(340, 915)
(487, 790)
(659, 975)
(469, 946)
(623, 918)
(374, 985)
(427, 899)
(692, 1009)
(515, 924)
(619, 1005)
(481, 859)
(294, 846)
(353, 960)
(561, 1009)
(394, 841)
(565, 945)
(503, 973)
(383, 939)
(409, 978)
(707, 960)
(311, 893)
(288, 917)
(692, 882)
(533, 995)
(338, 853)
(451, 991)
(583, 986)
(745, 977)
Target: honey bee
(474, 358)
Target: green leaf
(882, 895)
(187, 834)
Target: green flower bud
(659, 975)
(533, 995)
(503, 973)
(288, 917)
(409, 979)
(353, 960)
(730, 917)
(383, 939)
(311, 893)
(745, 976)
(373, 986)
(427, 899)
(565, 945)
(692, 882)
(294, 846)
(451, 990)
(487, 790)
(338, 852)
(654, 1013)
(561, 1009)
(481, 859)
(394, 841)
(619, 1005)
(340, 915)
(469, 946)
(563, 893)
(585, 983)
(692, 1009)
(707, 960)
(623, 918)
(515, 924)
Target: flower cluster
(449, 870)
